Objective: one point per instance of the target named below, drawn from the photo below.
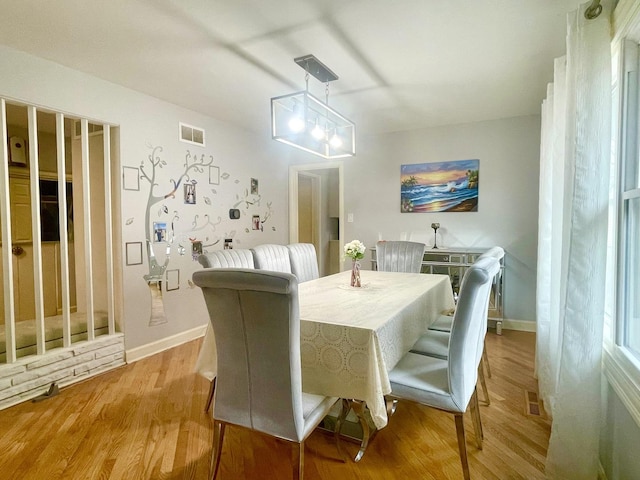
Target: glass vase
(355, 274)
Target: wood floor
(146, 421)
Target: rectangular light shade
(302, 121)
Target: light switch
(350, 217)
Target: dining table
(351, 337)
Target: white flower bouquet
(354, 250)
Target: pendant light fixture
(303, 121)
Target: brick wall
(31, 376)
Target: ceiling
(402, 64)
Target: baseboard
(152, 348)
(520, 325)
(509, 324)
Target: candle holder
(435, 227)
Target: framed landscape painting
(440, 187)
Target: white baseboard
(152, 348)
(510, 324)
(520, 325)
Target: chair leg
(359, 407)
(297, 460)
(216, 451)
(212, 390)
(462, 445)
(477, 421)
(485, 358)
(483, 382)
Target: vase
(355, 274)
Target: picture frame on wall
(449, 186)
(133, 253)
(130, 178)
(214, 175)
(173, 279)
(190, 193)
(254, 186)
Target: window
(628, 299)
(622, 313)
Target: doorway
(316, 211)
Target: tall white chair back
(259, 384)
(399, 256)
(304, 261)
(450, 383)
(207, 362)
(272, 257)
(231, 258)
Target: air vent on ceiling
(191, 134)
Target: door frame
(316, 209)
(294, 171)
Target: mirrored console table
(454, 262)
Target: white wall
(507, 215)
(146, 121)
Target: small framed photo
(196, 249)
(159, 232)
(130, 178)
(173, 280)
(254, 186)
(255, 222)
(190, 193)
(214, 175)
(133, 251)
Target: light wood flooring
(146, 421)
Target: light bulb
(296, 122)
(317, 132)
(335, 141)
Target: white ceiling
(403, 64)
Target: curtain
(572, 226)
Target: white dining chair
(304, 261)
(207, 358)
(259, 383)
(399, 256)
(272, 257)
(443, 323)
(450, 384)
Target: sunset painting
(439, 187)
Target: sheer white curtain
(574, 176)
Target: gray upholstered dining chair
(272, 257)
(231, 258)
(450, 384)
(399, 256)
(435, 341)
(304, 261)
(259, 383)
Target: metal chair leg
(485, 359)
(212, 390)
(297, 460)
(483, 383)
(216, 451)
(462, 445)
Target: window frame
(621, 367)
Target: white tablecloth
(351, 337)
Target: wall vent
(191, 134)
